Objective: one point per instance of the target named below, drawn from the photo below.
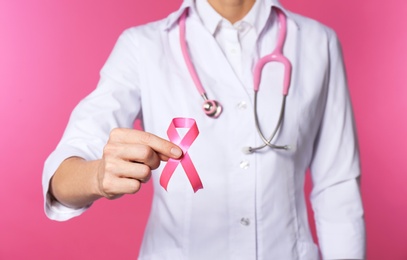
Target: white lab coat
(252, 205)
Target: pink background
(50, 56)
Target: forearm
(75, 182)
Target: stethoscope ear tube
(267, 142)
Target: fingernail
(176, 152)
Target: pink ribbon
(185, 160)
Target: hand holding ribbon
(185, 160)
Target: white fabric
(237, 40)
(252, 206)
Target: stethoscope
(213, 108)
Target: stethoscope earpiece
(212, 108)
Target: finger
(133, 170)
(133, 153)
(165, 148)
(119, 186)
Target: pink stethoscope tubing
(213, 108)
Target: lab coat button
(242, 105)
(244, 164)
(245, 221)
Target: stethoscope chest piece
(212, 108)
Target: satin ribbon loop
(184, 143)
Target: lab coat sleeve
(114, 103)
(335, 169)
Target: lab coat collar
(209, 17)
(173, 17)
(257, 17)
